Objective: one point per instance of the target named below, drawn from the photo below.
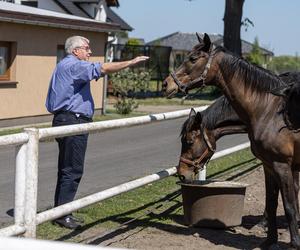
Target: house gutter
(56, 22)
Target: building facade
(31, 44)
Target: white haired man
(69, 99)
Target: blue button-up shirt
(70, 89)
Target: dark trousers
(71, 158)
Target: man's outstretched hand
(111, 67)
(139, 59)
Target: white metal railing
(202, 173)
(27, 151)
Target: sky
(276, 22)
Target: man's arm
(112, 67)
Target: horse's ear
(198, 118)
(192, 113)
(199, 38)
(207, 42)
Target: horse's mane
(195, 52)
(187, 126)
(290, 77)
(255, 77)
(218, 114)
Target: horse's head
(197, 147)
(193, 72)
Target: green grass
(238, 159)
(175, 101)
(112, 212)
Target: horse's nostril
(181, 178)
(164, 84)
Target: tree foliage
(280, 64)
(246, 23)
(122, 34)
(256, 56)
(133, 41)
(126, 83)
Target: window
(178, 60)
(60, 54)
(30, 3)
(5, 60)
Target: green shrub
(125, 106)
(280, 64)
(256, 56)
(133, 41)
(126, 83)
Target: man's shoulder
(66, 62)
(68, 58)
(72, 63)
(81, 64)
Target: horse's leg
(287, 189)
(272, 190)
(296, 188)
(264, 221)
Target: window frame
(7, 75)
(60, 47)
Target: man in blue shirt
(69, 99)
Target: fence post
(31, 182)
(202, 174)
(20, 184)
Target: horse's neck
(246, 100)
(220, 119)
(229, 130)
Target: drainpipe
(105, 80)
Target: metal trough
(214, 204)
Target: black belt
(77, 115)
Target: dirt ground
(177, 236)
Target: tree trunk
(232, 25)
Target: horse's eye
(193, 59)
(189, 142)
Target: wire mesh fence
(157, 65)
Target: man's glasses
(86, 48)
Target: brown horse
(201, 131)
(248, 89)
(199, 135)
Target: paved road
(113, 157)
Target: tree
(256, 56)
(232, 25)
(133, 41)
(281, 64)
